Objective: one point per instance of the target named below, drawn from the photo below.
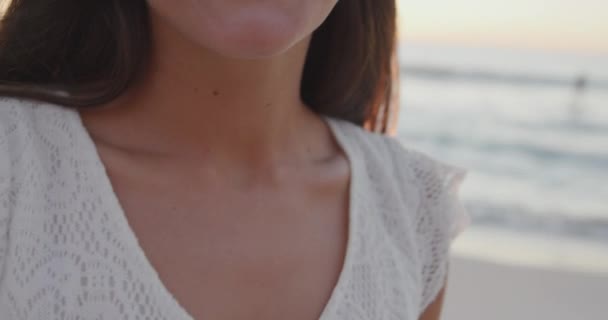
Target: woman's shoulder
(11, 136)
(15, 131)
(25, 126)
(21, 113)
(19, 117)
(392, 166)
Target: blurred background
(516, 92)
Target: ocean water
(532, 129)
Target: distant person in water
(576, 106)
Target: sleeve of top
(441, 217)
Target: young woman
(213, 159)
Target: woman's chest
(225, 254)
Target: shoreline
(479, 289)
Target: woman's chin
(247, 29)
(256, 39)
(255, 47)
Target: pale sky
(578, 25)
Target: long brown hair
(85, 53)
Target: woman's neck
(196, 102)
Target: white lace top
(68, 253)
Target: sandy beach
(482, 290)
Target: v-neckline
(117, 211)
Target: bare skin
(229, 247)
(236, 191)
(433, 311)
